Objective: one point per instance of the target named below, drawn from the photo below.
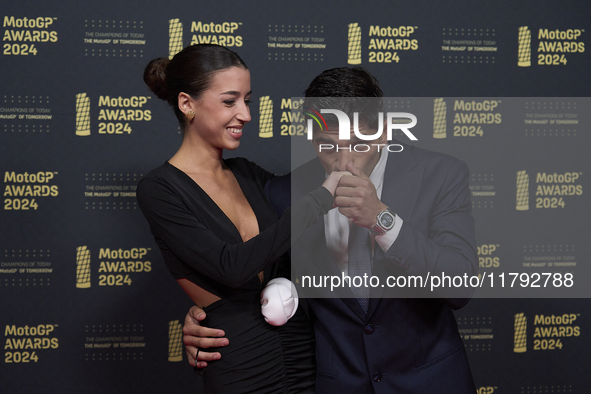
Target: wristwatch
(385, 222)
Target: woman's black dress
(200, 243)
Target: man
(416, 205)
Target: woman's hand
(333, 179)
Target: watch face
(387, 220)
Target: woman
(218, 235)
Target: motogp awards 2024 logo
(555, 47)
(553, 190)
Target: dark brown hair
(189, 71)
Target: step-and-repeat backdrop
(87, 305)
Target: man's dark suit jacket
(402, 345)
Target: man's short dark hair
(344, 82)
(352, 82)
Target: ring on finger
(197, 356)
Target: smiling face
(365, 158)
(223, 109)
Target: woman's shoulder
(158, 171)
(164, 177)
(158, 174)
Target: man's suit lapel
(402, 182)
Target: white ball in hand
(279, 301)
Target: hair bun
(155, 77)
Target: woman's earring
(190, 115)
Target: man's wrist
(385, 221)
(379, 209)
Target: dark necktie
(360, 262)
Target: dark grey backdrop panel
(87, 304)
